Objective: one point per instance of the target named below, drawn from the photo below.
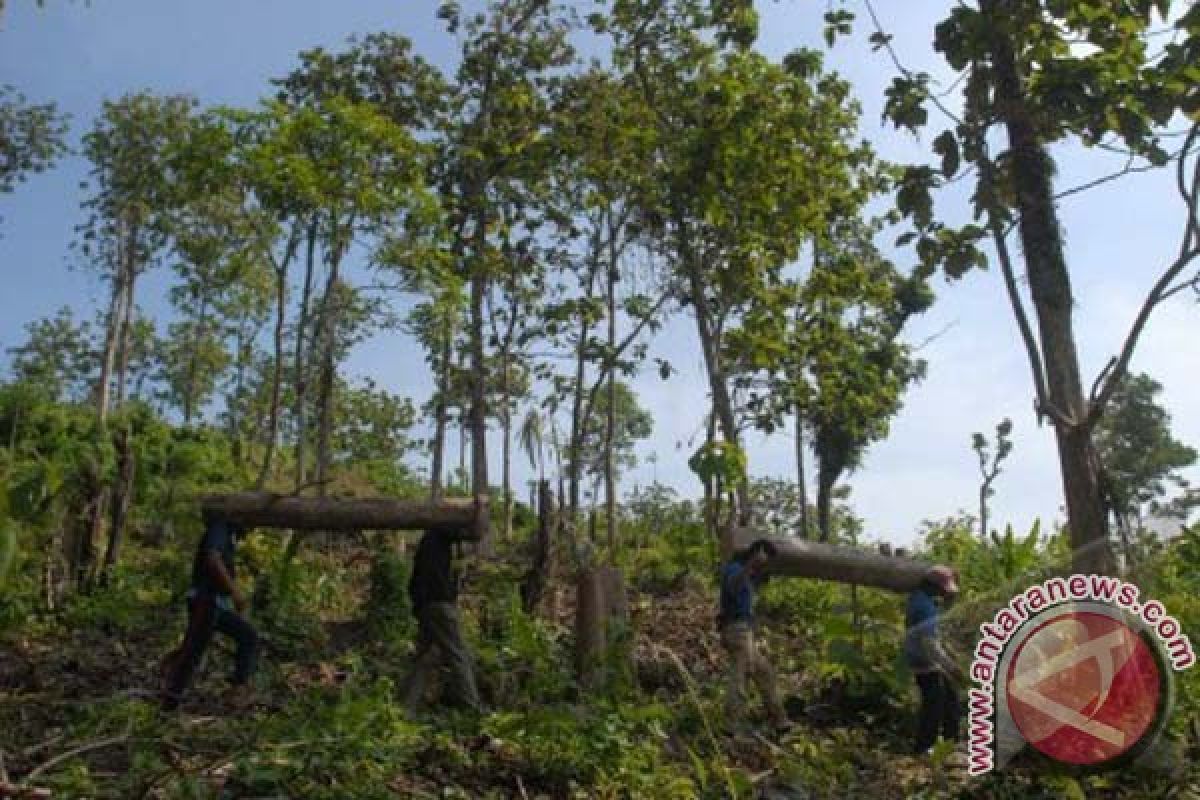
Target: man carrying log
(936, 671)
(740, 578)
(433, 590)
(214, 604)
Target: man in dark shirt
(936, 672)
(739, 578)
(433, 590)
(213, 605)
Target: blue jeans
(206, 616)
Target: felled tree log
(801, 558)
(265, 510)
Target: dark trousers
(440, 645)
(205, 618)
(940, 710)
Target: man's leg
(930, 715)
(425, 660)
(764, 677)
(951, 710)
(446, 632)
(738, 643)
(201, 620)
(243, 634)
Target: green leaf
(946, 146)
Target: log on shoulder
(801, 558)
(266, 510)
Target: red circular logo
(1084, 688)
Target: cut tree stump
(802, 558)
(266, 510)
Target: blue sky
(225, 51)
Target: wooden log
(801, 558)
(266, 510)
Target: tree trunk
(801, 483)
(300, 365)
(610, 423)
(189, 389)
(263, 509)
(122, 498)
(236, 422)
(534, 585)
(710, 346)
(327, 334)
(479, 466)
(276, 375)
(506, 441)
(126, 336)
(1050, 287)
(826, 480)
(589, 628)
(440, 413)
(798, 558)
(983, 512)
(111, 337)
(601, 626)
(506, 458)
(575, 443)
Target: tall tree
(58, 355)
(1140, 457)
(353, 167)
(1045, 73)
(620, 282)
(492, 151)
(131, 149)
(748, 154)
(134, 150)
(31, 137)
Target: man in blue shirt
(744, 573)
(936, 671)
(214, 603)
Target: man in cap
(936, 671)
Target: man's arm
(221, 576)
(941, 658)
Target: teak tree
(745, 152)
(1043, 73)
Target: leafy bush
(614, 751)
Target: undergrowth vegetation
(338, 643)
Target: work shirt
(433, 578)
(219, 537)
(920, 638)
(737, 595)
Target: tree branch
(115, 740)
(1189, 250)
(1041, 404)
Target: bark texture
(263, 509)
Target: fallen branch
(86, 748)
